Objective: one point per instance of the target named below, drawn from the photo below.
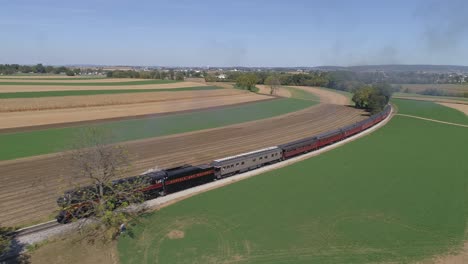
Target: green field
(430, 110)
(396, 196)
(446, 87)
(301, 94)
(23, 144)
(96, 92)
(68, 83)
(431, 97)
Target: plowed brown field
(460, 107)
(30, 186)
(46, 103)
(36, 88)
(82, 108)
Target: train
(75, 203)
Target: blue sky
(234, 33)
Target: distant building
(221, 76)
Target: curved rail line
(26, 235)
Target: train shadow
(16, 255)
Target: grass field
(96, 92)
(71, 83)
(301, 94)
(445, 87)
(430, 110)
(429, 96)
(398, 195)
(16, 145)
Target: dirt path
(433, 120)
(69, 115)
(36, 88)
(460, 107)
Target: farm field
(447, 99)
(37, 142)
(55, 78)
(193, 147)
(430, 110)
(291, 92)
(445, 87)
(97, 82)
(460, 107)
(280, 91)
(98, 92)
(395, 196)
(51, 77)
(30, 113)
(74, 86)
(324, 94)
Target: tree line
(155, 74)
(9, 69)
(373, 96)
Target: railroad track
(18, 246)
(36, 228)
(169, 199)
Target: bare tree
(274, 84)
(98, 167)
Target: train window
(261, 157)
(237, 164)
(254, 159)
(266, 157)
(242, 163)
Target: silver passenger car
(246, 161)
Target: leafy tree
(171, 74)
(247, 81)
(377, 103)
(49, 69)
(39, 68)
(179, 76)
(361, 96)
(70, 73)
(77, 71)
(374, 98)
